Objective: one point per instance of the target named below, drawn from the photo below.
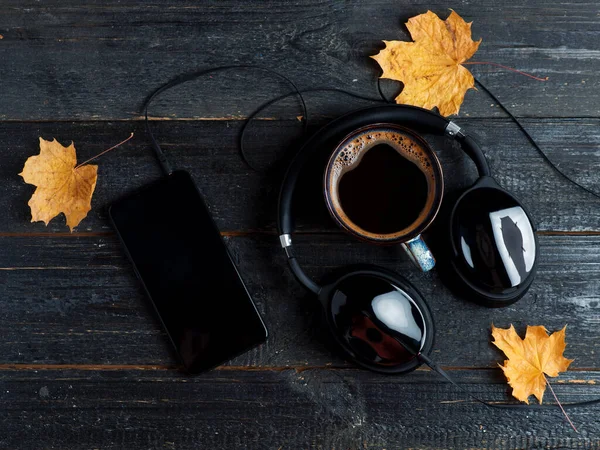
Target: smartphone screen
(183, 263)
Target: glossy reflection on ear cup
(493, 243)
(378, 322)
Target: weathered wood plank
(333, 409)
(241, 199)
(76, 301)
(86, 61)
(83, 361)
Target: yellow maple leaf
(530, 358)
(430, 67)
(61, 185)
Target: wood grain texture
(83, 361)
(68, 60)
(334, 409)
(241, 199)
(76, 301)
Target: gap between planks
(159, 367)
(136, 118)
(242, 233)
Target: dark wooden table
(83, 361)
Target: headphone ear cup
(355, 321)
(491, 250)
(449, 265)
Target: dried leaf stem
(560, 405)
(102, 153)
(504, 67)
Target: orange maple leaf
(62, 186)
(430, 67)
(530, 358)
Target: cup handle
(419, 253)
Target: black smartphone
(183, 263)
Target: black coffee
(385, 192)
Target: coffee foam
(353, 151)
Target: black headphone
(381, 320)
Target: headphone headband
(409, 116)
